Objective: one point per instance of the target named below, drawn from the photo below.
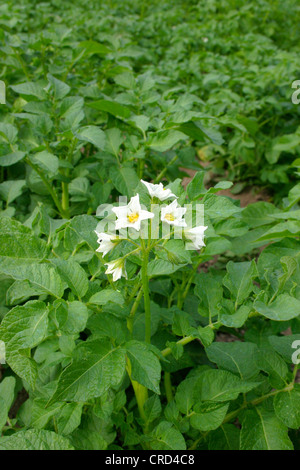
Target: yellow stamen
(170, 217)
(133, 217)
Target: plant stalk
(141, 392)
(145, 284)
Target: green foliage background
(100, 95)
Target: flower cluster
(132, 215)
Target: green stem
(234, 414)
(141, 166)
(130, 319)
(183, 341)
(65, 198)
(141, 392)
(187, 285)
(134, 291)
(51, 190)
(164, 171)
(65, 186)
(295, 372)
(187, 339)
(168, 386)
(145, 284)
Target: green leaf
(34, 439)
(210, 292)
(31, 89)
(125, 80)
(8, 132)
(95, 369)
(140, 122)
(81, 230)
(271, 363)
(196, 187)
(206, 335)
(114, 141)
(207, 417)
(10, 190)
(92, 134)
(7, 395)
(11, 158)
(236, 357)
(145, 366)
(69, 418)
(7, 391)
(239, 280)
(152, 408)
(237, 319)
(3, 413)
(124, 179)
(231, 228)
(77, 317)
(107, 295)
(166, 437)
(184, 397)
(43, 277)
(262, 430)
(227, 437)
(283, 308)
(17, 241)
(24, 327)
(160, 267)
(258, 214)
(219, 207)
(111, 107)
(290, 228)
(283, 345)
(294, 195)
(108, 325)
(74, 275)
(60, 88)
(165, 140)
(93, 47)
(197, 131)
(176, 252)
(217, 247)
(220, 386)
(46, 161)
(287, 407)
(40, 415)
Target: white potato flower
(196, 236)
(173, 214)
(106, 242)
(131, 215)
(158, 190)
(116, 268)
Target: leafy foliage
(98, 99)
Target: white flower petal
(146, 215)
(196, 236)
(172, 214)
(116, 269)
(131, 215)
(105, 242)
(158, 190)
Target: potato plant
(142, 308)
